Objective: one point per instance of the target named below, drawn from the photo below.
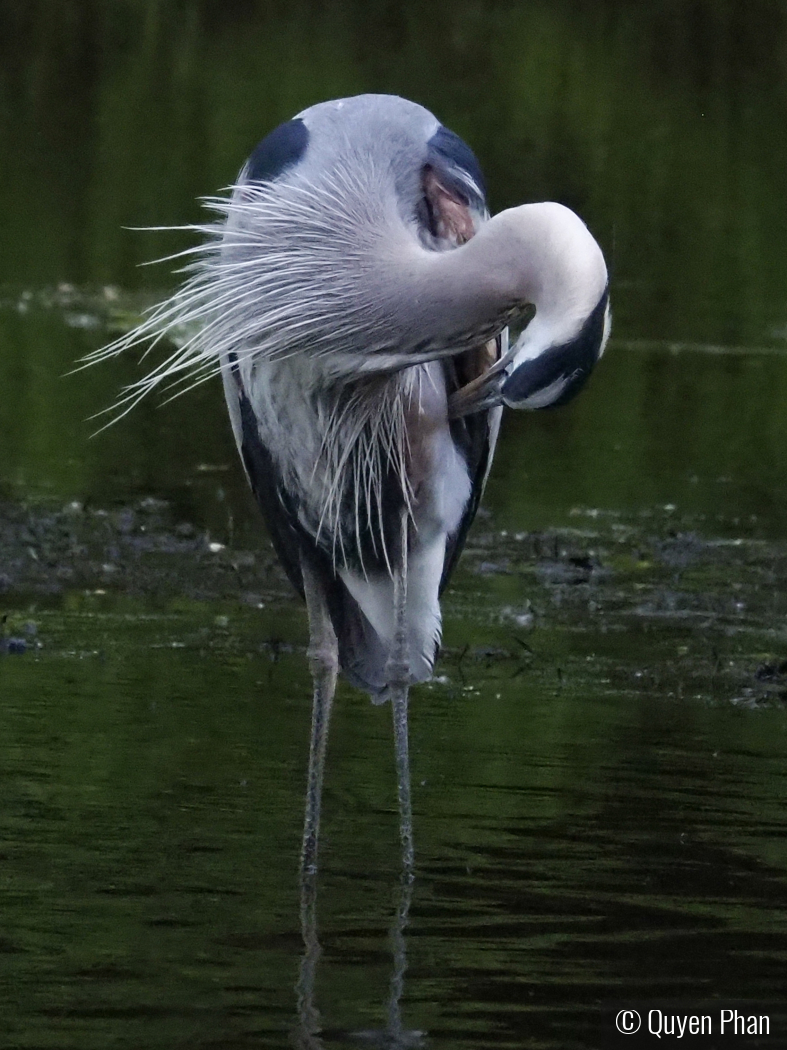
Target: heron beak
(484, 391)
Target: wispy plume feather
(290, 270)
(276, 274)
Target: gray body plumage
(338, 438)
(355, 296)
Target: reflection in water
(616, 829)
(396, 1035)
(307, 1032)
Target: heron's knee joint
(323, 659)
(398, 673)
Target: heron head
(552, 376)
(551, 260)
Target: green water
(599, 767)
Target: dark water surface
(599, 767)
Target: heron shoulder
(457, 164)
(277, 152)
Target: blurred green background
(662, 123)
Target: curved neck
(538, 254)
(351, 288)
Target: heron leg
(324, 664)
(398, 689)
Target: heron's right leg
(398, 672)
(324, 664)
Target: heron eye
(448, 210)
(426, 215)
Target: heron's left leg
(324, 663)
(398, 689)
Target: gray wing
(362, 655)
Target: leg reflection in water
(394, 1036)
(307, 1032)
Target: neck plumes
(334, 276)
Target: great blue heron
(356, 297)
